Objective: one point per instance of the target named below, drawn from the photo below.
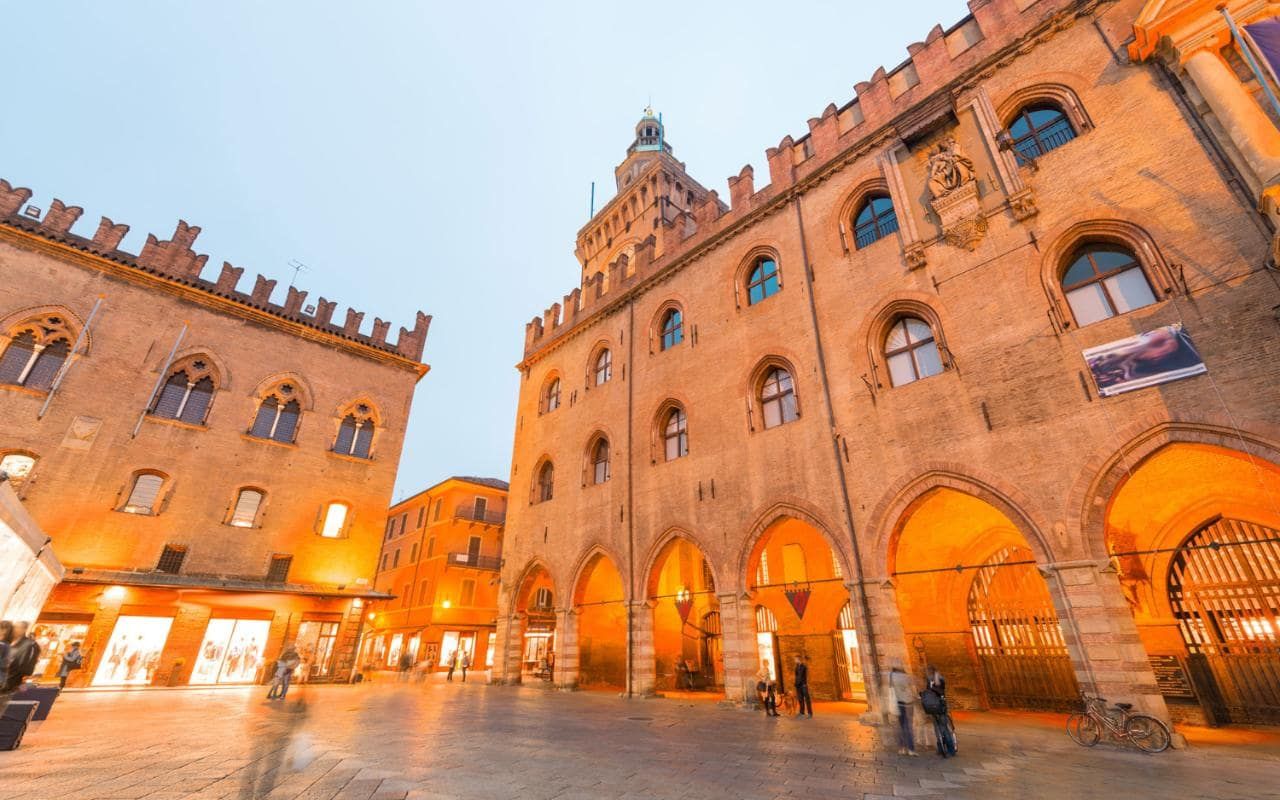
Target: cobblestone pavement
(472, 741)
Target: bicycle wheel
(1149, 734)
(1083, 729)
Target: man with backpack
(934, 702)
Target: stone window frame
(258, 514)
(273, 386)
(599, 348)
(1116, 232)
(853, 203)
(755, 387)
(163, 494)
(66, 327)
(742, 275)
(660, 317)
(362, 410)
(882, 325)
(535, 488)
(658, 431)
(1056, 94)
(212, 370)
(553, 378)
(597, 437)
(322, 517)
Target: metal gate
(1016, 633)
(1224, 587)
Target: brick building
(213, 468)
(441, 556)
(981, 378)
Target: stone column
(565, 674)
(1250, 129)
(1107, 652)
(737, 626)
(644, 670)
(509, 645)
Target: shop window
(1039, 128)
(171, 558)
(278, 413)
(778, 398)
(278, 570)
(911, 351)
(675, 435)
(245, 513)
(16, 467)
(1103, 281)
(875, 220)
(186, 394)
(335, 520)
(763, 280)
(145, 494)
(132, 653)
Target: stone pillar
(737, 625)
(644, 670)
(891, 643)
(509, 645)
(1250, 129)
(1106, 650)
(565, 674)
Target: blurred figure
(72, 660)
(277, 745)
(6, 637)
(23, 655)
(289, 661)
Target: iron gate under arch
(1019, 642)
(1224, 589)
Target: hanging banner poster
(1148, 359)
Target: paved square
(475, 741)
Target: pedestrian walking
(453, 664)
(934, 702)
(72, 660)
(803, 699)
(903, 695)
(406, 664)
(767, 689)
(285, 665)
(465, 664)
(24, 652)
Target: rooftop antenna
(593, 200)
(297, 266)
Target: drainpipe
(869, 631)
(631, 538)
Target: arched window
(16, 467)
(763, 280)
(36, 351)
(542, 599)
(603, 367)
(911, 351)
(875, 220)
(545, 489)
(186, 395)
(245, 512)
(144, 494)
(766, 622)
(778, 398)
(1039, 128)
(600, 461)
(278, 415)
(672, 328)
(675, 434)
(355, 432)
(333, 523)
(551, 397)
(1103, 281)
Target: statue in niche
(949, 168)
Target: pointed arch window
(35, 352)
(187, 393)
(911, 351)
(355, 432)
(675, 434)
(600, 461)
(1103, 281)
(546, 483)
(1039, 128)
(763, 280)
(672, 328)
(778, 398)
(278, 415)
(875, 220)
(551, 396)
(603, 367)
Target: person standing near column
(72, 660)
(903, 691)
(804, 701)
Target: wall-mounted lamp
(114, 593)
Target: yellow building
(441, 557)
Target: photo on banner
(1148, 359)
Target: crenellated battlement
(175, 259)
(890, 106)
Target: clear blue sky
(414, 154)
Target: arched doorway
(849, 656)
(535, 607)
(686, 620)
(1193, 532)
(796, 584)
(973, 604)
(601, 625)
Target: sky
(415, 155)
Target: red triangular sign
(799, 600)
(684, 605)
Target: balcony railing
(485, 515)
(492, 563)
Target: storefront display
(132, 654)
(452, 642)
(393, 652)
(538, 645)
(232, 651)
(488, 656)
(55, 638)
(315, 647)
(767, 652)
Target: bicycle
(1144, 731)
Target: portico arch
(680, 585)
(599, 623)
